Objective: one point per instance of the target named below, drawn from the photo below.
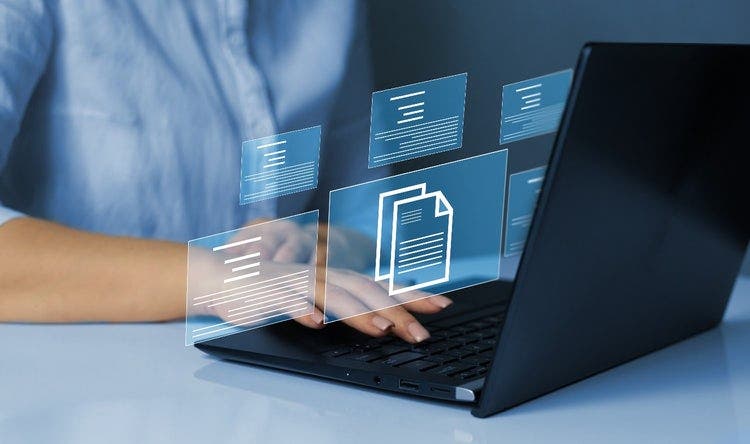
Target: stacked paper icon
(413, 239)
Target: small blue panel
(280, 164)
(523, 193)
(416, 120)
(534, 106)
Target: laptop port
(377, 380)
(405, 384)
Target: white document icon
(414, 237)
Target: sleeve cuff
(7, 214)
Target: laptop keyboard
(462, 351)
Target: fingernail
(317, 317)
(440, 301)
(381, 323)
(418, 332)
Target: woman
(120, 128)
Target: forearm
(50, 273)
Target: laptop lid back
(642, 223)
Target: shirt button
(235, 39)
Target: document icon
(414, 235)
(438, 229)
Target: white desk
(138, 383)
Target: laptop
(637, 238)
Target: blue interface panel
(523, 193)
(424, 232)
(533, 107)
(417, 120)
(237, 280)
(280, 164)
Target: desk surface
(138, 383)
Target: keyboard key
(368, 356)
(477, 348)
(380, 341)
(451, 369)
(440, 359)
(392, 349)
(487, 333)
(477, 360)
(447, 323)
(448, 344)
(419, 365)
(462, 368)
(361, 348)
(337, 352)
(480, 324)
(402, 358)
(463, 329)
(442, 334)
(431, 348)
(468, 375)
(469, 338)
(459, 353)
(419, 348)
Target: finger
(370, 324)
(420, 301)
(344, 306)
(275, 234)
(405, 325)
(426, 305)
(369, 294)
(375, 295)
(269, 243)
(294, 249)
(363, 288)
(313, 320)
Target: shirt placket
(253, 103)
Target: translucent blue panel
(416, 120)
(523, 193)
(280, 164)
(430, 231)
(533, 107)
(251, 277)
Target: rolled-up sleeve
(25, 41)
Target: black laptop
(637, 239)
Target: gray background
(499, 42)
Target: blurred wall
(499, 42)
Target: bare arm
(50, 273)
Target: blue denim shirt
(126, 117)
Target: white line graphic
(405, 229)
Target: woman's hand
(354, 298)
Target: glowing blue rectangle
(417, 120)
(280, 164)
(236, 281)
(523, 193)
(433, 230)
(533, 107)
